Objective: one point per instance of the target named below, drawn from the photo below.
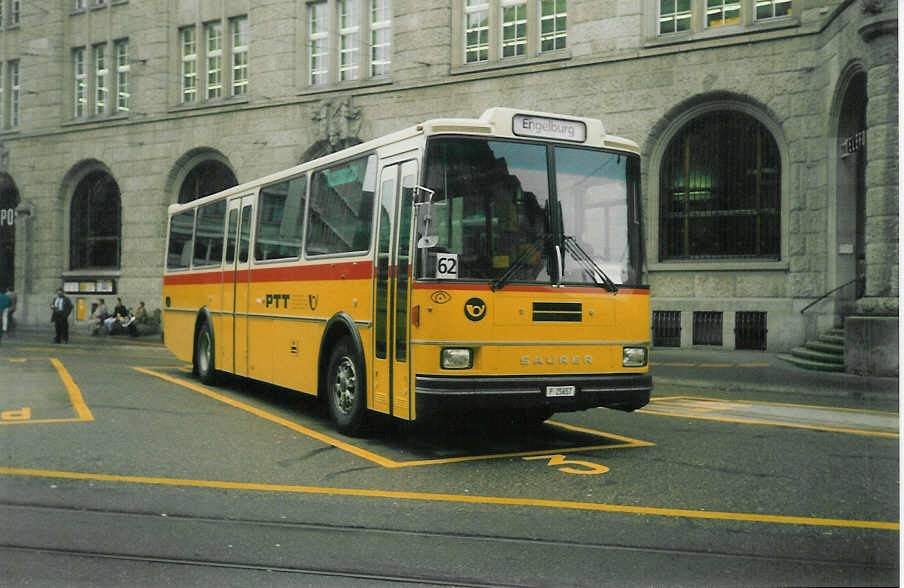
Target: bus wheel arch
(204, 348)
(342, 373)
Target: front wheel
(204, 356)
(345, 387)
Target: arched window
(720, 191)
(94, 228)
(208, 177)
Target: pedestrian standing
(4, 307)
(8, 317)
(61, 308)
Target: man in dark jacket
(61, 307)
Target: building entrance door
(9, 200)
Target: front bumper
(468, 393)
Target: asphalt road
(119, 469)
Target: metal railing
(832, 291)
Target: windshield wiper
(520, 261)
(587, 262)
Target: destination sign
(525, 125)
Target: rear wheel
(345, 387)
(204, 355)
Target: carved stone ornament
(338, 122)
(873, 6)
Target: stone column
(871, 336)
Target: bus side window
(209, 234)
(245, 234)
(281, 220)
(340, 217)
(179, 250)
(231, 231)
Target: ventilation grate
(567, 312)
(750, 330)
(708, 328)
(667, 328)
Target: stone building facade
(768, 129)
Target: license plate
(552, 391)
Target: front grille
(557, 312)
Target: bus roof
(496, 121)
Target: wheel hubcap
(345, 386)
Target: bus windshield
(519, 212)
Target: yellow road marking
(753, 421)
(464, 499)
(384, 461)
(83, 413)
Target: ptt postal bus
(489, 266)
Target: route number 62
(447, 265)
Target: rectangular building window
(122, 76)
(772, 8)
(514, 28)
(214, 47)
(380, 37)
(239, 32)
(319, 38)
(100, 78)
(477, 31)
(349, 39)
(722, 12)
(15, 89)
(553, 20)
(674, 16)
(189, 53)
(15, 10)
(80, 91)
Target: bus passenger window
(178, 253)
(281, 220)
(209, 234)
(342, 206)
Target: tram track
(358, 534)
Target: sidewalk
(759, 371)
(30, 335)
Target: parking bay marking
(463, 499)
(22, 415)
(799, 416)
(621, 442)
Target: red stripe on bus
(527, 288)
(352, 270)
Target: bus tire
(204, 355)
(345, 389)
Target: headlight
(634, 356)
(456, 358)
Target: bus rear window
(342, 208)
(178, 254)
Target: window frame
(123, 73)
(496, 35)
(213, 50)
(328, 63)
(10, 94)
(305, 177)
(101, 78)
(699, 29)
(653, 169)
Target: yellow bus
(485, 266)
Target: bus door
(233, 341)
(391, 368)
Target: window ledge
(95, 120)
(511, 62)
(213, 104)
(350, 85)
(90, 273)
(718, 265)
(726, 32)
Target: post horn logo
(440, 297)
(475, 309)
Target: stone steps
(825, 354)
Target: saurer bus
(489, 266)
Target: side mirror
(422, 194)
